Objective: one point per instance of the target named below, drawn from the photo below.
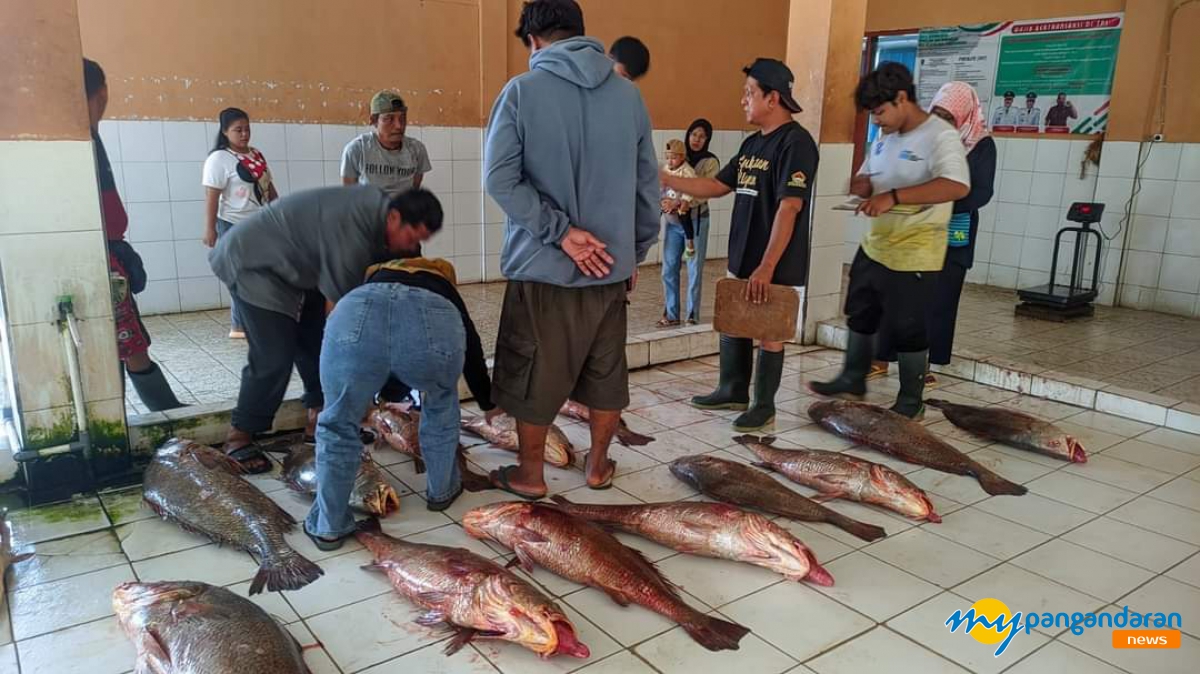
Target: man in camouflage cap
(385, 157)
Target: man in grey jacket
(570, 159)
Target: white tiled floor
(1122, 529)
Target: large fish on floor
(502, 433)
(712, 530)
(185, 627)
(399, 427)
(474, 596)
(545, 535)
(1013, 428)
(741, 485)
(202, 491)
(625, 435)
(885, 431)
(838, 475)
(372, 492)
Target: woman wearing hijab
(706, 165)
(958, 104)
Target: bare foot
(600, 477)
(511, 479)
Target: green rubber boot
(766, 385)
(733, 389)
(852, 382)
(910, 399)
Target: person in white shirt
(918, 161)
(1006, 115)
(385, 157)
(237, 183)
(1030, 115)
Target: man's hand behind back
(587, 252)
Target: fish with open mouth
(739, 484)
(473, 595)
(885, 431)
(372, 492)
(838, 475)
(1013, 428)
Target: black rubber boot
(766, 385)
(153, 389)
(733, 389)
(909, 401)
(852, 382)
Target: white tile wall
(158, 166)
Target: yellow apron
(909, 241)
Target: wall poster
(1046, 76)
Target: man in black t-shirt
(773, 174)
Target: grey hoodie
(569, 143)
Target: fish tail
(998, 486)
(867, 532)
(713, 633)
(287, 571)
(630, 438)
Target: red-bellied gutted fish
(545, 535)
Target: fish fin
(287, 571)
(937, 402)
(432, 616)
(867, 532)
(995, 485)
(746, 439)
(374, 566)
(616, 596)
(523, 558)
(515, 561)
(713, 633)
(462, 637)
(153, 657)
(419, 464)
(630, 438)
(828, 496)
(764, 465)
(562, 500)
(768, 439)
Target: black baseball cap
(772, 73)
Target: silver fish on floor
(838, 475)
(372, 492)
(185, 627)
(1013, 428)
(502, 433)
(201, 490)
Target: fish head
(521, 614)
(559, 450)
(1078, 455)
(821, 409)
(380, 499)
(498, 521)
(1066, 447)
(900, 494)
(139, 604)
(778, 550)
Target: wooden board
(773, 321)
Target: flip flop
(326, 544)
(499, 478)
(608, 482)
(249, 455)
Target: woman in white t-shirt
(237, 183)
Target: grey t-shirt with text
(392, 171)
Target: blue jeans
(235, 317)
(696, 264)
(377, 330)
(673, 247)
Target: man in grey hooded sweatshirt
(570, 159)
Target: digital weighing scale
(1064, 301)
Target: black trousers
(277, 342)
(892, 303)
(940, 317)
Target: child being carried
(676, 206)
